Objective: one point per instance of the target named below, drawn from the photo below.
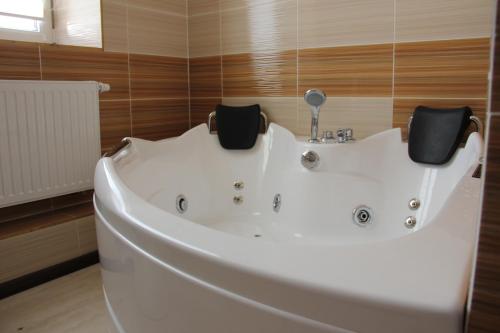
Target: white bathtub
(227, 267)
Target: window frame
(45, 35)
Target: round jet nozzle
(315, 97)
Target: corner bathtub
(223, 266)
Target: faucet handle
(349, 134)
(344, 135)
(327, 137)
(341, 135)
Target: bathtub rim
(148, 221)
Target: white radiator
(49, 138)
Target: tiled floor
(73, 303)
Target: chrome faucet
(315, 98)
(345, 135)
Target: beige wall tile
(87, 239)
(367, 116)
(157, 33)
(171, 6)
(324, 23)
(443, 19)
(232, 4)
(279, 110)
(197, 7)
(114, 26)
(33, 251)
(78, 23)
(264, 27)
(204, 35)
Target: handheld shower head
(315, 98)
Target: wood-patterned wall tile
(453, 68)
(77, 22)
(115, 123)
(260, 74)
(33, 223)
(347, 71)
(157, 33)
(19, 61)
(79, 211)
(327, 23)
(87, 238)
(265, 26)
(484, 316)
(235, 4)
(84, 63)
(35, 250)
(19, 219)
(200, 108)
(72, 199)
(403, 108)
(204, 35)
(495, 96)
(158, 77)
(26, 209)
(443, 19)
(159, 119)
(114, 26)
(170, 6)
(205, 77)
(199, 7)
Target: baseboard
(34, 279)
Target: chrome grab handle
(477, 122)
(409, 125)
(123, 144)
(212, 116)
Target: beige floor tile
(73, 303)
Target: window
(26, 20)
